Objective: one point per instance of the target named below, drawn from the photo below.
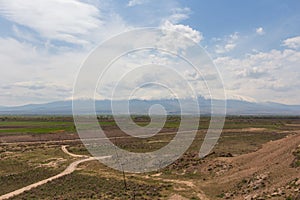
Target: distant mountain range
(234, 107)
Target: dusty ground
(266, 173)
(248, 163)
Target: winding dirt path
(65, 150)
(71, 168)
(189, 184)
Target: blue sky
(255, 44)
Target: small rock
(255, 187)
(264, 176)
(227, 195)
(274, 194)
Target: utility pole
(121, 165)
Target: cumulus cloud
(264, 76)
(293, 42)
(40, 75)
(253, 72)
(69, 21)
(260, 31)
(185, 30)
(36, 75)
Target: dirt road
(65, 150)
(71, 168)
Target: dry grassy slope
(272, 160)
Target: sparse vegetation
(296, 161)
(31, 160)
(86, 186)
(22, 165)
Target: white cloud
(132, 3)
(37, 75)
(172, 23)
(40, 85)
(178, 15)
(260, 31)
(65, 20)
(185, 30)
(264, 76)
(129, 75)
(233, 37)
(24, 35)
(33, 75)
(254, 72)
(229, 47)
(293, 42)
(228, 43)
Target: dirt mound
(266, 173)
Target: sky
(254, 44)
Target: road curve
(65, 150)
(71, 168)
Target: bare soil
(266, 173)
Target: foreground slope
(266, 173)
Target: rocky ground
(273, 172)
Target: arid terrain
(255, 158)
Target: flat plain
(256, 157)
